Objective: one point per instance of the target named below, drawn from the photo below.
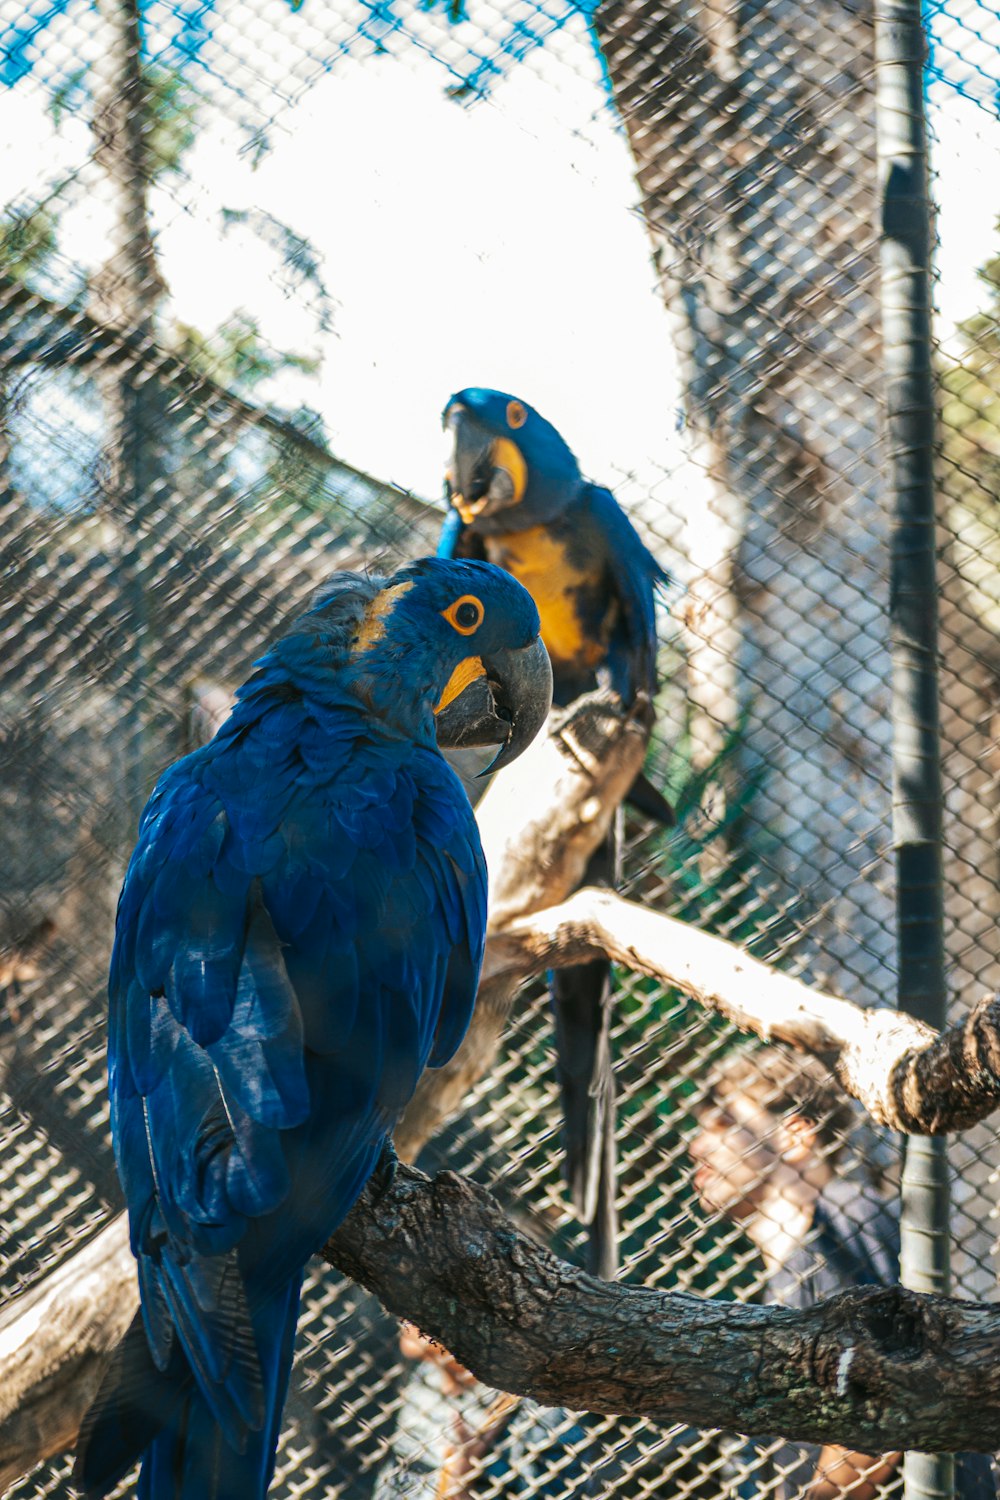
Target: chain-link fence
(244, 236)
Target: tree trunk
(752, 130)
(126, 292)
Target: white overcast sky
(495, 243)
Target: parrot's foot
(585, 707)
(384, 1175)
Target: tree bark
(752, 129)
(873, 1369)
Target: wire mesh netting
(248, 248)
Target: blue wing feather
(291, 951)
(259, 1057)
(636, 576)
(300, 931)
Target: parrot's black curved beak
(505, 705)
(471, 470)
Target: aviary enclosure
(248, 250)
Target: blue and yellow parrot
(300, 932)
(518, 499)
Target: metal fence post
(917, 787)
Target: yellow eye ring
(465, 615)
(516, 414)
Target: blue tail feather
(133, 1402)
(165, 1418)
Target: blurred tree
(969, 515)
(27, 240)
(127, 292)
(970, 412)
(237, 354)
(752, 129)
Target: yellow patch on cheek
(507, 455)
(373, 625)
(467, 671)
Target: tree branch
(873, 1369)
(540, 823)
(869, 1369)
(55, 1341)
(905, 1074)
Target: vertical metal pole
(917, 793)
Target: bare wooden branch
(543, 818)
(54, 1343)
(904, 1074)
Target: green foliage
(237, 355)
(710, 858)
(69, 96)
(258, 144)
(171, 117)
(456, 8)
(295, 252)
(294, 481)
(27, 239)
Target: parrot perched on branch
(518, 499)
(299, 934)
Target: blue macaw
(517, 498)
(300, 932)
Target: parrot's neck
(390, 688)
(400, 687)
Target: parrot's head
(444, 650)
(507, 468)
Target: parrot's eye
(516, 414)
(466, 614)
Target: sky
(491, 242)
(491, 245)
(964, 128)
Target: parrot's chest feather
(576, 622)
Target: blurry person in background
(458, 1440)
(769, 1155)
